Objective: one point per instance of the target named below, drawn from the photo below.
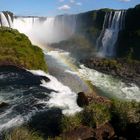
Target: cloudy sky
(56, 7)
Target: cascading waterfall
(42, 29)
(6, 20)
(113, 23)
(46, 30)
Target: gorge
(68, 42)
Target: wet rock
(3, 104)
(18, 76)
(82, 100)
(45, 78)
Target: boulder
(3, 104)
(82, 100)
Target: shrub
(96, 114)
(70, 122)
(125, 112)
(23, 133)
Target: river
(28, 96)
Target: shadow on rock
(47, 123)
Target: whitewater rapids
(26, 97)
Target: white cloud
(125, 0)
(79, 3)
(64, 7)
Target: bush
(96, 114)
(23, 133)
(126, 112)
(70, 122)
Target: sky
(58, 7)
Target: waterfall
(10, 21)
(106, 42)
(48, 29)
(4, 20)
(42, 29)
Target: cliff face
(128, 45)
(90, 24)
(88, 28)
(129, 38)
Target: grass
(23, 133)
(68, 123)
(16, 49)
(95, 115)
(124, 116)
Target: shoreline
(128, 72)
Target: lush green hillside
(16, 49)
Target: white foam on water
(111, 86)
(18, 120)
(64, 98)
(71, 72)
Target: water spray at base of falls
(46, 29)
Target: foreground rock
(3, 104)
(14, 75)
(105, 131)
(85, 100)
(128, 70)
(82, 100)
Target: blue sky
(56, 7)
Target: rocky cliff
(129, 38)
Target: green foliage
(93, 116)
(22, 133)
(96, 114)
(125, 113)
(16, 49)
(70, 122)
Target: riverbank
(128, 70)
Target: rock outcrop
(104, 132)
